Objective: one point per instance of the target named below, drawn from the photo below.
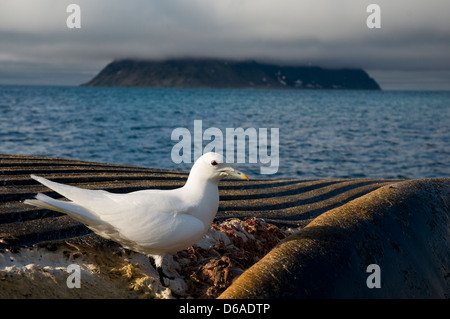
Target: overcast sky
(410, 51)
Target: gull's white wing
(102, 203)
(164, 233)
(157, 219)
(150, 220)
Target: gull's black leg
(162, 275)
(157, 262)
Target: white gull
(153, 222)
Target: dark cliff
(210, 73)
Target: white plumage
(153, 222)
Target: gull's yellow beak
(241, 175)
(231, 172)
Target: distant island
(214, 73)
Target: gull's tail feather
(83, 207)
(89, 199)
(75, 211)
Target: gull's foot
(162, 275)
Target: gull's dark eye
(213, 163)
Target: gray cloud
(37, 47)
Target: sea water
(322, 134)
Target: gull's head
(211, 166)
